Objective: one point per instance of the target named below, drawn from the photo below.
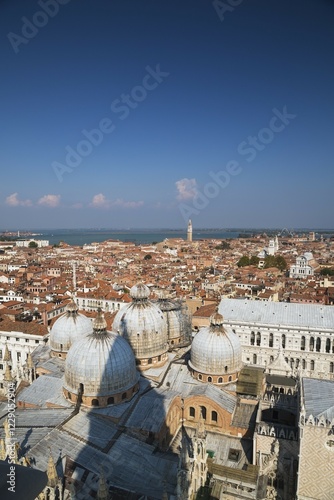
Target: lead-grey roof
(278, 313)
(223, 398)
(44, 390)
(94, 429)
(130, 464)
(319, 398)
(151, 410)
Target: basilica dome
(70, 327)
(143, 325)
(215, 354)
(100, 369)
(178, 321)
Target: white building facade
(19, 345)
(92, 304)
(305, 266)
(304, 331)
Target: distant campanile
(190, 231)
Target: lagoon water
(85, 236)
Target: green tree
(327, 271)
(244, 261)
(33, 244)
(148, 257)
(254, 260)
(272, 261)
(281, 263)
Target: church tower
(190, 231)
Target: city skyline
(143, 116)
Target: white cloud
(13, 201)
(100, 201)
(127, 204)
(49, 200)
(187, 189)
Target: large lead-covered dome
(100, 368)
(178, 321)
(142, 324)
(216, 353)
(70, 327)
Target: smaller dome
(68, 328)
(216, 350)
(140, 291)
(177, 319)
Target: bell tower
(190, 231)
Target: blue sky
(183, 93)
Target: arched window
(203, 412)
(110, 400)
(124, 395)
(318, 344)
(209, 379)
(312, 344)
(258, 338)
(214, 416)
(271, 340)
(226, 369)
(252, 338)
(312, 365)
(149, 361)
(220, 380)
(230, 378)
(254, 359)
(331, 367)
(271, 359)
(191, 411)
(328, 345)
(303, 364)
(283, 340)
(200, 376)
(95, 402)
(292, 362)
(302, 344)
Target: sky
(143, 114)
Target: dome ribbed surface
(103, 363)
(143, 325)
(216, 350)
(70, 327)
(177, 317)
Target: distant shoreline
(80, 237)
